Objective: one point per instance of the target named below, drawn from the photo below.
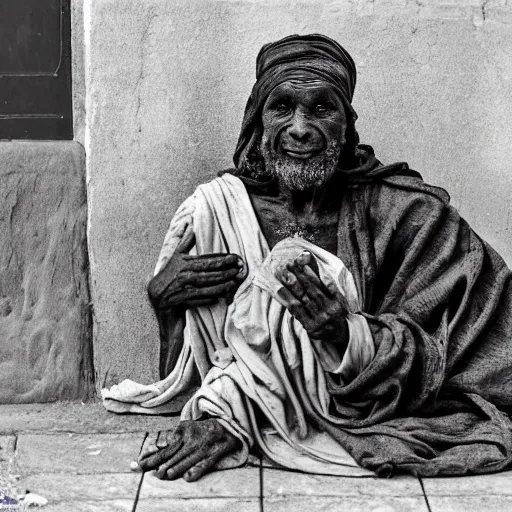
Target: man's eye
(282, 107)
(323, 108)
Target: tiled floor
(78, 457)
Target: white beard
(301, 174)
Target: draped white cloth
(256, 361)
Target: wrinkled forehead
(308, 88)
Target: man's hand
(194, 280)
(321, 310)
(190, 451)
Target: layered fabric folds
(425, 385)
(250, 354)
(435, 395)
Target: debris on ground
(32, 499)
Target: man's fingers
(306, 276)
(213, 262)
(207, 464)
(201, 302)
(155, 460)
(183, 453)
(338, 296)
(333, 289)
(198, 296)
(149, 447)
(304, 258)
(174, 469)
(292, 283)
(174, 438)
(313, 278)
(311, 298)
(298, 310)
(314, 288)
(215, 291)
(187, 241)
(211, 278)
(161, 440)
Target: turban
(295, 57)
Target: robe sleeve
(432, 287)
(360, 348)
(182, 220)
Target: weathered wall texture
(166, 88)
(45, 328)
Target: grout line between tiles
(137, 494)
(261, 484)
(425, 495)
(139, 487)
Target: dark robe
(438, 301)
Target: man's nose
(299, 128)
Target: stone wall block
(45, 324)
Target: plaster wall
(166, 87)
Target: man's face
(304, 126)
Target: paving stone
(278, 483)
(495, 484)
(470, 493)
(77, 417)
(57, 487)
(346, 503)
(90, 506)
(240, 482)
(198, 505)
(470, 503)
(77, 453)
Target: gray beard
(302, 174)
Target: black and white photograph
(255, 255)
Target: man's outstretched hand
(190, 451)
(321, 309)
(194, 280)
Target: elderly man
(324, 307)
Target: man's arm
(186, 281)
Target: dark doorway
(35, 70)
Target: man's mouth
(300, 154)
